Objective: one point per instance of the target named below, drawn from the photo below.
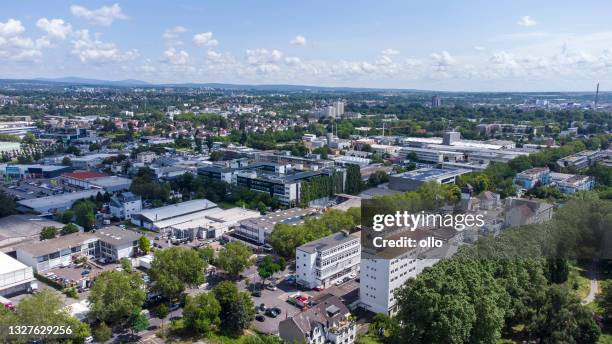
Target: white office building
(15, 277)
(322, 262)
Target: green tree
(115, 295)
(237, 309)
(144, 244)
(48, 232)
(201, 314)
(103, 333)
(175, 268)
(235, 257)
(605, 300)
(137, 321)
(67, 216)
(66, 161)
(162, 312)
(9, 207)
(267, 268)
(126, 264)
(354, 183)
(207, 253)
(69, 229)
(84, 214)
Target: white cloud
(479, 48)
(12, 27)
(176, 57)
(292, 61)
(526, 21)
(390, 52)
(89, 49)
(442, 60)
(205, 39)
(103, 16)
(57, 28)
(298, 40)
(174, 32)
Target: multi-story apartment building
(322, 262)
(533, 177)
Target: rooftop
(293, 216)
(117, 236)
(179, 209)
(41, 248)
(428, 174)
(49, 201)
(328, 242)
(8, 264)
(84, 175)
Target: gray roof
(329, 311)
(17, 226)
(41, 248)
(328, 242)
(117, 236)
(59, 200)
(179, 209)
(427, 174)
(289, 216)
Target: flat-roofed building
(15, 277)
(324, 261)
(412, 180)
(533, 177)
(164, 217)
(54, 203)
(123, 205)
(258, 230)
(16, 229)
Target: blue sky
(441, 45)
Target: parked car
(273, 312)
(260, 318)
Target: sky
(430, 45)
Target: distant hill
(85, 81)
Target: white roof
(59, 200)
(8, 264)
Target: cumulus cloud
(12, 27)
(176, 57)
(205, 39)
(57, 28)
(479, 48)
(104, 16)
(90, 49)
(298, 40)
(526, 21)
(442, 60)
(390, 52)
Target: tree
(144, 244)
(201, 313)
(605, 300)
(126, 264)
(103, 333)
(69, 229)
(84, 214)
(267, 268)
(207, 253)
(9, 207)
(67, 216)
(162, 312)
(45, 308)
(137, 321)
(115, 295)
(237, 309)
(175, 268)
(354, 184)
(66, 161)
(48, 232)
(234, 258)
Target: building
(322, 262)
(157, 219)
(95, 180)
(123, 205)
(582, 159)
(35, 171)
(571, 183)
(436, 101)
(111, 243)
(258, 230)
(329, 321)
(520, 211)
(88, 162)
(211, 223)
(533, 177)
(15, 277)
(450, 137)
(16, 229)
(54, 203)
(488, 200)
(412, 180)
(145, 157)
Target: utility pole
(596, 96)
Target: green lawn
(578, 276)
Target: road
(594, 284)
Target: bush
(103, 333)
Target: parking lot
(278, 298)
(31, 188)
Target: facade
(581, 160)
(15, 277)
(258, 230)
(322, 262)
(111, 243)
(519, 212)
(35, 171)
(145, 157)
(412, 180)
(571, 183)
(533, 177)
(122, 206)
(329, 321)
